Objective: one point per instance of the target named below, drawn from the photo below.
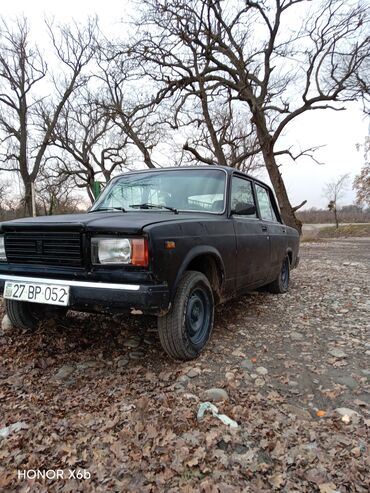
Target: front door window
(242, 193)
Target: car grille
(56, 248)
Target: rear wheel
(281, 283)
(185, 330)
(25, 315)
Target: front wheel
(281, 283)
(26, 315)
(185, 330)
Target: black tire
(281, 283)
(25, 315)
(186, 329)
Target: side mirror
(244, 209)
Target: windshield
(180, 190)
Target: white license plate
(50, 294)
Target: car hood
(128, 222)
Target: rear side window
(242, 192)
(266, 209)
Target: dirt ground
(96, 398)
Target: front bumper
(103, 296)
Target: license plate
(50, 294)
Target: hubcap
(198, 316)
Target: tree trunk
(219, 153)
(106, 173)
(267, 146)
(33, 199)
(51, 205)
(140, 144)
(336, 217)
(286, 209)
(29, 198)
(90, 192)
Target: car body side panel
(278, 242)
(215, 237)
(292, 244)
(253, 252)
(283, 239)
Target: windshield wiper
(109, 209)
(154, 206)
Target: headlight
(2, 249)
(119, 251)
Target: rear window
(266, 209)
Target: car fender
(196, 252)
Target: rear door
(276, 231)
(253, 247)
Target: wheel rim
(285, 274)
(198, 316)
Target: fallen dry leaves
(86, 404)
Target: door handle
(264, 228)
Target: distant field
(345, 230)
(312, 232)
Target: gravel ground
(95, 396)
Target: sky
(338, 132)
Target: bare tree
(362, 180)
(23, 71)
(10, 205)
(88, 145)
(248, 49)
(334, 192)
(4, 193)
(236, 144)
(129, 105)
(362, 184)
(215, 131)
(4, 187)
(55, 195)
(363, 80)
(220, 132)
